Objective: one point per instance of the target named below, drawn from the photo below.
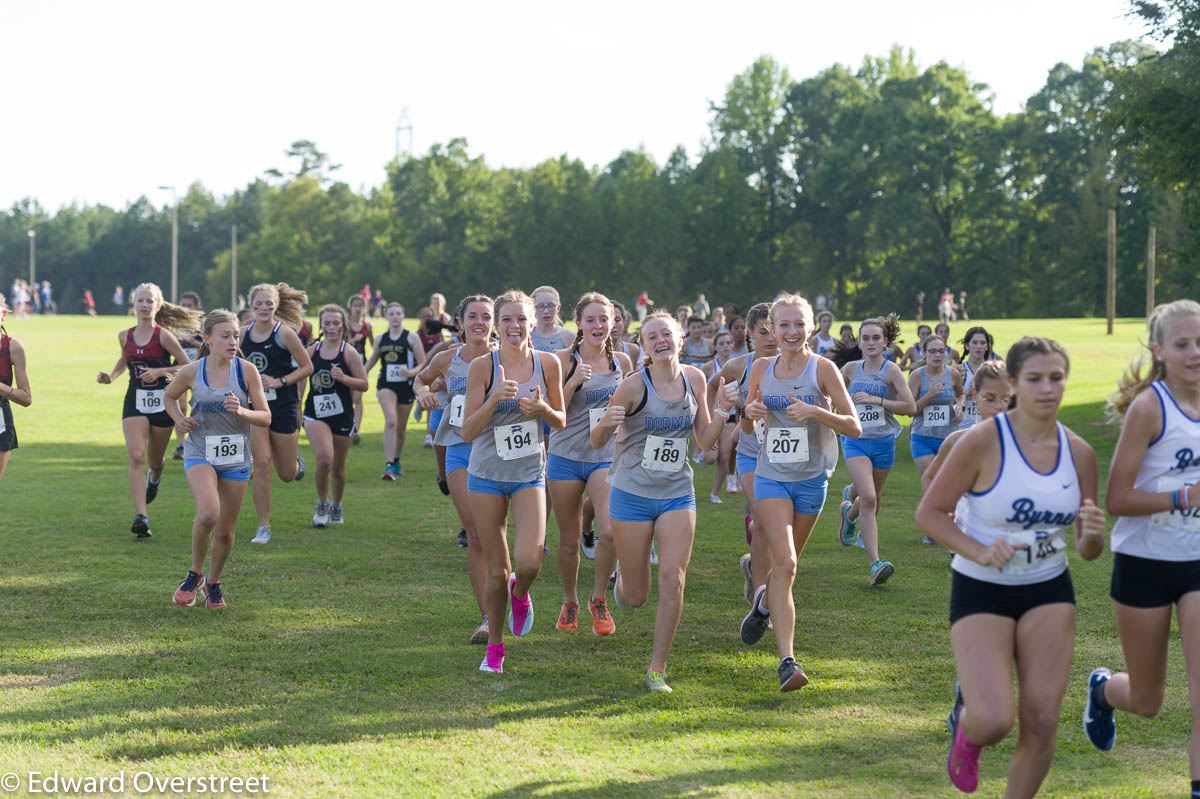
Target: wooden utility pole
(1112, 268)
(1150, 248)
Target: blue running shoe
(881, 570)
(846, 492)
(1099, 725)
(952, 719)
(848, 530)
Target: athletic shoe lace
(214, 593)
(190, 582)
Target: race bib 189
(225, 450)
(518, 440)
(664, 454)
(787, 445)
(149, 401)
(1041, 548)
(936, 416)
(325, 405)
(455, 410)
(870, 415)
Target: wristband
(1183, 499)
(1175, 504)
(724, 414)
(283, 380)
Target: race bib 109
(664, 454)
(149, 401)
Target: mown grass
(341, 666)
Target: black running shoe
(300, 467)
(151, 489)
(141, 526)
(755, 623)
(462, 538)
(443, 486)
(791, 676)
(178, 453)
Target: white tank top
(1029, 508)
(1171, 461)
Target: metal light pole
(32, 257)
(233, 270)
(174, 243)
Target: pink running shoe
(185, 594)
(520, 617)
(963, 762)
(749, 520)
(493, 661)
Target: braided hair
(588, 299)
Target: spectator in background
(49, 306)
(962, 306)
(377, 304)
(683, 313)
(920, 307)
(35, 296)
(643, 304)
(118, 301)
(700, 306)
(89, 302)
(719, 320)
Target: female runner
(801, 401)
(272, 344)
(879, 390)
(191, 343)
(592, 372)
(402, 356)
(509, 397)
(938, 391)
(1156, 561)
(914, 356)
(217, 451)
(992, 393)
(14, 387)
(328, 415)
(822, 340)
(977, 350)
(651, 496)
(474, 315)
(737, 326)
(549, 335)
(754, 565)
(147, 350)
(359, 334)
(1023, 479)
(724, 346)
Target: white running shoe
(262, 535)
(714, 499)
(428, 440)
(731, 484)
(653, 555)
(321, 517)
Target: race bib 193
(455, 410)
(936, 416)
(664, 454)
(1041, 548)
(518, 440)
(325, 405)
(225, 450)
(149, 401)
(870, 415)
(787, 445)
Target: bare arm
(19, 391)
(1089, 523)
(110, 376)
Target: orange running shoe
(602, 623)
(568, 619)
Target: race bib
(787, 445)
(149, 401)
(970, 411)
(664, 454)
(270, 394)
(870, 415)
(1184, 521)
(325, 405)
(225, 450)
(1042, 548)
(392, 373)
(518, 440)
(936, 416)
(191, 352)
(595, 415)
(456, 410)
(760, 432)
(3, 425)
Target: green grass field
(341, 666)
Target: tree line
(866, 184)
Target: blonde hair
(588, 299)
(289, 302)
(333, 307)
(791, 301)
(672, 323)
(213, 318)
(553, 292)
(890, 325)
(988, 370)
(174, 317)
(1133, 382)
(517, 296)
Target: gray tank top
(651, 455)
(877, 421)
(510, 446)
(589, 400)
(695, 354)
(449, 430)
(935, 423)
(551, 343)
(794, 450)
(221, 438)
(747, 442)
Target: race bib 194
(664, 454)
(518, 440)
(787, 445)
(149, 401)
(870, 415)
(225, 450)
(325, 405)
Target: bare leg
(675, 531)
(137, 430)
(232, 493)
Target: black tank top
(393, 353)
(322, 381)
(272, 359)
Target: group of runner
(526, 415)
